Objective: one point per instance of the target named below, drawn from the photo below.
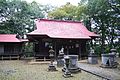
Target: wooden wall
(71, 47)
(10, 48)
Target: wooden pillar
(86, 49)
(79, 51)
(55, 49)
(33, 51)
(33, 48)
(2, 57)
(67, 50)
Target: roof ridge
(7, 34)
(68, 21)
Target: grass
(21, 70)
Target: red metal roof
(10, 38)
(62, 29)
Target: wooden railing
(41, 57)
(10, 55)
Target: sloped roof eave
(62, 29)
(10, 38)
(58, 37)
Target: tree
(66, 12)
(18, 16)
(103, 16)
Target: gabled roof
(62, 29)
(10, 38)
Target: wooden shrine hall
(70, 35)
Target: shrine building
(70, 35)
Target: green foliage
(64, 12)
(57, 14)
(36, 10)
(104, 16)
(29, 49)
(18, 16)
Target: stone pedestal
(67, 74)
(92, 59)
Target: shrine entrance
(71, 47)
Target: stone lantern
(67, 73)
(51, 65)
(73, 64)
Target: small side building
(70, 35)
(10, 46)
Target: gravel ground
(21, 70)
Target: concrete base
(105, 66)
(67, 74)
